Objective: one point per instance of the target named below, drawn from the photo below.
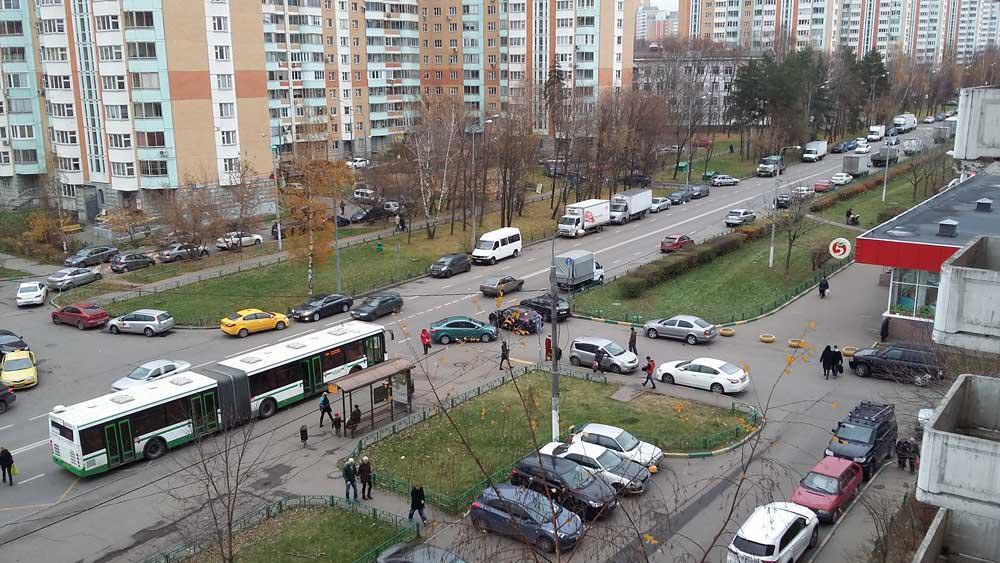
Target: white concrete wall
(968, 303)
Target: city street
(49, 505)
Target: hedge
(654, 273)
(869, 183)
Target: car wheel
(468, 267)
(243, 333)
(615, 368)
(573, 360)
(267, 409)
(204, 253)
(485, 338)
(717, 388)
(493, 260)
(148, 331)
(315, 317)
(667, 378)
(691, 339)
(256, 242)
(3, 407)
(98, 276)
(516, 253)
(55, 320)
(837, 515)
(445, 339)
(280, 325)
(651, 333)
(814, 538)
(447, 273)
(80, 325)
(863, 370)
(345, 308)
(397, 310)
(114, 329)
(545, 544)
(155, 449)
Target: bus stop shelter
(382, 391)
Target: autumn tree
(794, 223)
(247, 193)
(514, 152)
(130, 222)
(309, 207)
(191, 215)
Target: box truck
(856, 165)
(576, 269)
(912, 146)
(905, 122)
(814, 151)
(584, 217)
(885, 155)
(876, 133)
(771, 165)
(630, 204)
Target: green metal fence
(407, 530)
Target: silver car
(688, 328)
(68, 278)
(615, 358)
(144, 321)
(182, 251)
(150, 371)
(659, 204)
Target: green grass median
(899, 194)
(6, 273)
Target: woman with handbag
(7, 465)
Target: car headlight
(860, 459)
(827, 452)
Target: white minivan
(497, 245)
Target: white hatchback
(619, 441)
(841, 178)
(31, 293)
(717, 376)
(779, 532)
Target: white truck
(876, 133)
(584, 217)
(905, 122)
(912, 146)
(857, 165)
(576, 269)
(631, 204)
(814, 151)
(771, 165)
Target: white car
(780, 531)
(659, 204)
(619, 441)
(861, 141)
(724, 180)
(841, 178)
(929, 119)
(237, 239)
(358, 162)
(31, 293)
(624, 476)
(717, 376)
(863, 149)
(364, 194)
(150, 371)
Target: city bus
(146, 421)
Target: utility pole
(885, 176)
(774, 203)
(555, 343)
(277, 198)
(336, 244)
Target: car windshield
(677, 194)
(821, 483)
(485, 245)
(8, 338)
(671, 240)
(60, 274)
(729, 368)
(614, 349)
(27, 289)
(17, 364)
(233, 316)
(568, 220)
(316, 301)
(577, 477)
(627, 441)
(91, 311)
(609, 460)
(618, 207)
(441, 262)
(139, 373)
(163, 317)
(854, 433)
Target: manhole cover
(459, 364)
(879, 487)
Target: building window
(52, 26)
(222, 52)
(220, 23)
(69, 164)
(107, 23)
(69, 190)
(22, 131)
(10, 4)
(227, 109)
(123, 169)
(142, 50)
(120, 140)
(8, 27)
(228, 137)
(224, 81)
(116, 111)
(913, 293)
(110, 52)
(231, 165)
(150, 139)
(153, 167)
(114, 82)
(26, 156)
(17, 80)
(145, 80)
(138, 19)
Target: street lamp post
(885, 175)
(774, 203)
(555, 342)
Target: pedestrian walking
(343, 207)
(425, 339)
(838, 362)
(337, 421)
(7, 465)
(848, 214)
(325, 410)
(355, 420)
(396, 219)
(505, 354)
(824, 287)
(304, 435)
(649, 368)
(350, 473)
(365, 474)
(826, 360)
(402, 224)
(548, 348)
(417, 502)
(883, 332)
(631, 341)
(598, 356)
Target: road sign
(840, 248)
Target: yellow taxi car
(18, 370)
(243, 322)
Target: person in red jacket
(425, 339)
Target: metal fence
(407, 530)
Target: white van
(497, 245)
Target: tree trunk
(309, 264)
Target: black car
(698, 192)
(369, 215)
(543, 306)
(6, 398)
(680, 196)
(518, 319)
(321, 305)
(637, 180)
(10, 342)
(132, 261)
(288, 229)
(378, 305)
(906, 363)
(571, 485)
(417, 553)
(450, 264)
(867, 436)
(893, 131)
(783, 201)
(838, 148)
(90, 256)
(342, 221)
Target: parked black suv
(542, 305)
(905, 363)
(450, 264)
(867, 436)
(571, 485)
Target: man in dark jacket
(325, 410)
(7, 465)
(631, 341)
(417, 502)
(598, 356)
(826, 360)
(350, 473)
(838, 361)
(354, 421)
(365, 474)
(824, 286)
(505, 354)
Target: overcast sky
(669, 5)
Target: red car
(81, 315)
(824, 186)
(829, 487)
(671, 243)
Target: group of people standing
(326, 411)
(832, 360)
(354, 472)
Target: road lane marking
(403, 340)
(447, 286)
(30, 446)
(35, 417)
(8, 426)
(68, 489)
(30, 479)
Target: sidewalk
(25, 265)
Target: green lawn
(899, 193)
(312, 534)
(722, 161)
(498, 429)
(6, 273)
(733, 286)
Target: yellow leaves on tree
(42, 227)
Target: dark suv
(571, 485)
(378, 305)
(867, 436)
(542, 305)
(906, 363)
(450, 264)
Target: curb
(720, 451)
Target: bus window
(63, 431)
(375, 349)
(333, 359)
(354, 351)
(149, 420)
(91, 440)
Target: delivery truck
(585, 217)
(876, 133)
(856, 165)
(905, 122)
(912, 146)
(814, 151)
(771, 165)
(631, 204)
(577, 269)
(885, 155)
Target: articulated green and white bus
(145, 421)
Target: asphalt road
(76, 366)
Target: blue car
(526, 515)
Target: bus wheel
(355, 369)
(155, 449)
(268, 408)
